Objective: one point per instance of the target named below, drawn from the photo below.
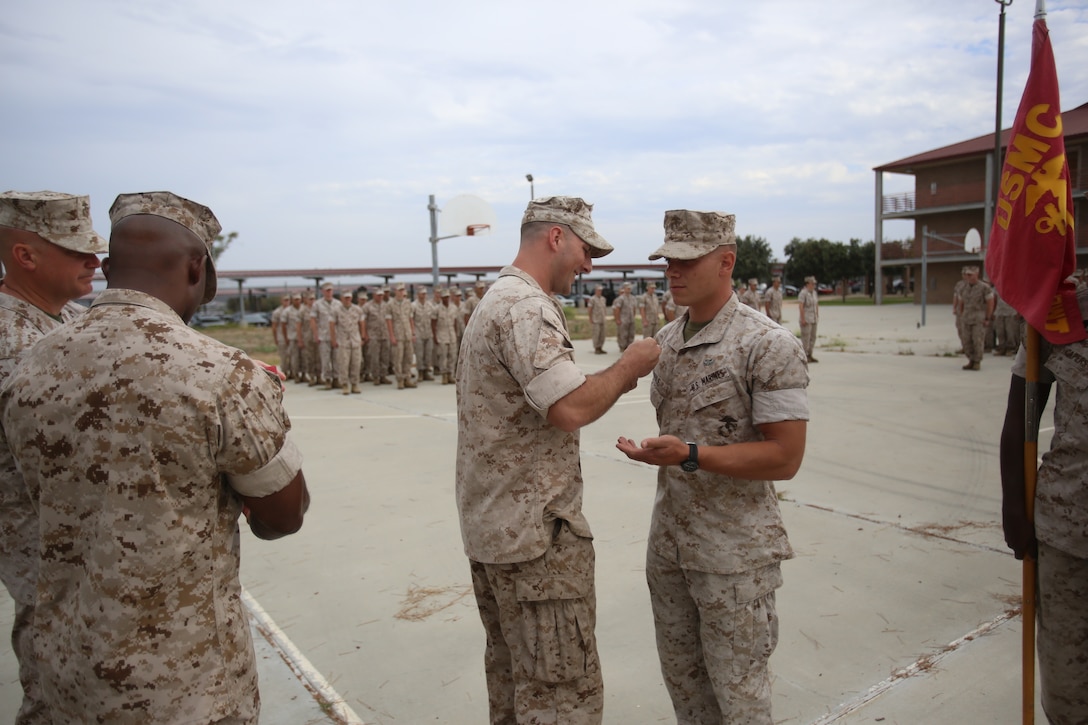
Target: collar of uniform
(713, 332)
(512, 271)
(117, 296)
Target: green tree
(220, 244)
(809, 257)
(753, 259)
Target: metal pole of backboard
(434, 239)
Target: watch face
(690, 466)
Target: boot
(355, 389)
(400, 384)
(428, 375)
(328, 385)
(346, 391)
(409, 383)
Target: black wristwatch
(691, 464)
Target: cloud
(318, 130)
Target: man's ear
(729, 260)
(24, 255)
(196, 269)
(105, 266)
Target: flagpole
(1031, 462)
(996, 181)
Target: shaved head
(158, 256)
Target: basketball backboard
(465, 216)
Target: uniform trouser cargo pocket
(557, 609)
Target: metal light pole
(529, 178)
(996, 182)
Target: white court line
(918, 668)
(313, 680)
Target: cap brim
(683, 250)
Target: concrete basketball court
(899, 608)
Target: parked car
(565, 301)
(824, 289)
(256, 319)
(789, 290)
(207, 319)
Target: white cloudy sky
(318, 129)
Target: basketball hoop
(473, 230)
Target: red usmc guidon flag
(1032, 247)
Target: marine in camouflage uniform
(623, 310)
(976, 315)
(730, 394)
(348, 338)
(378, 335)
(519, 483)
(1057, 539)
(292, 322)
(279, 334)
(750, 296)
(422, 311)
(402, 334)
(597, 306)
(772, 300)
(957, 308)
(650, 310)
(444, 327)
(311, 362)
(145, 441)
(323, 311)
(48, 248)
(808, 303)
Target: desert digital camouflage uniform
(519, 495)
(716, 542)
(650, 309)
(322, 311)
(598, 307)
(21, 325)
(750, 297)
(143, 432)
(311, 362)
(377, 361)
(772, 303)
(347, 318)
(398, 318)
(809, 304)
(458, 326)
(292, 322)
(1006, 327)
(1061, 510)
(957, 307)
(973, 318)
(422, 313)
(623, 309)
(445, 337)
(279, 334)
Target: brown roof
(1074, 124)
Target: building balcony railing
(897, 203)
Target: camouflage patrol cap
(63, 219)
(345, 293)
(197, 218)
(574, 213)
(400, 286)
(327, 285)
(297, 296)
(443, 292)
(693, 234)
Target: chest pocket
(723, 411)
